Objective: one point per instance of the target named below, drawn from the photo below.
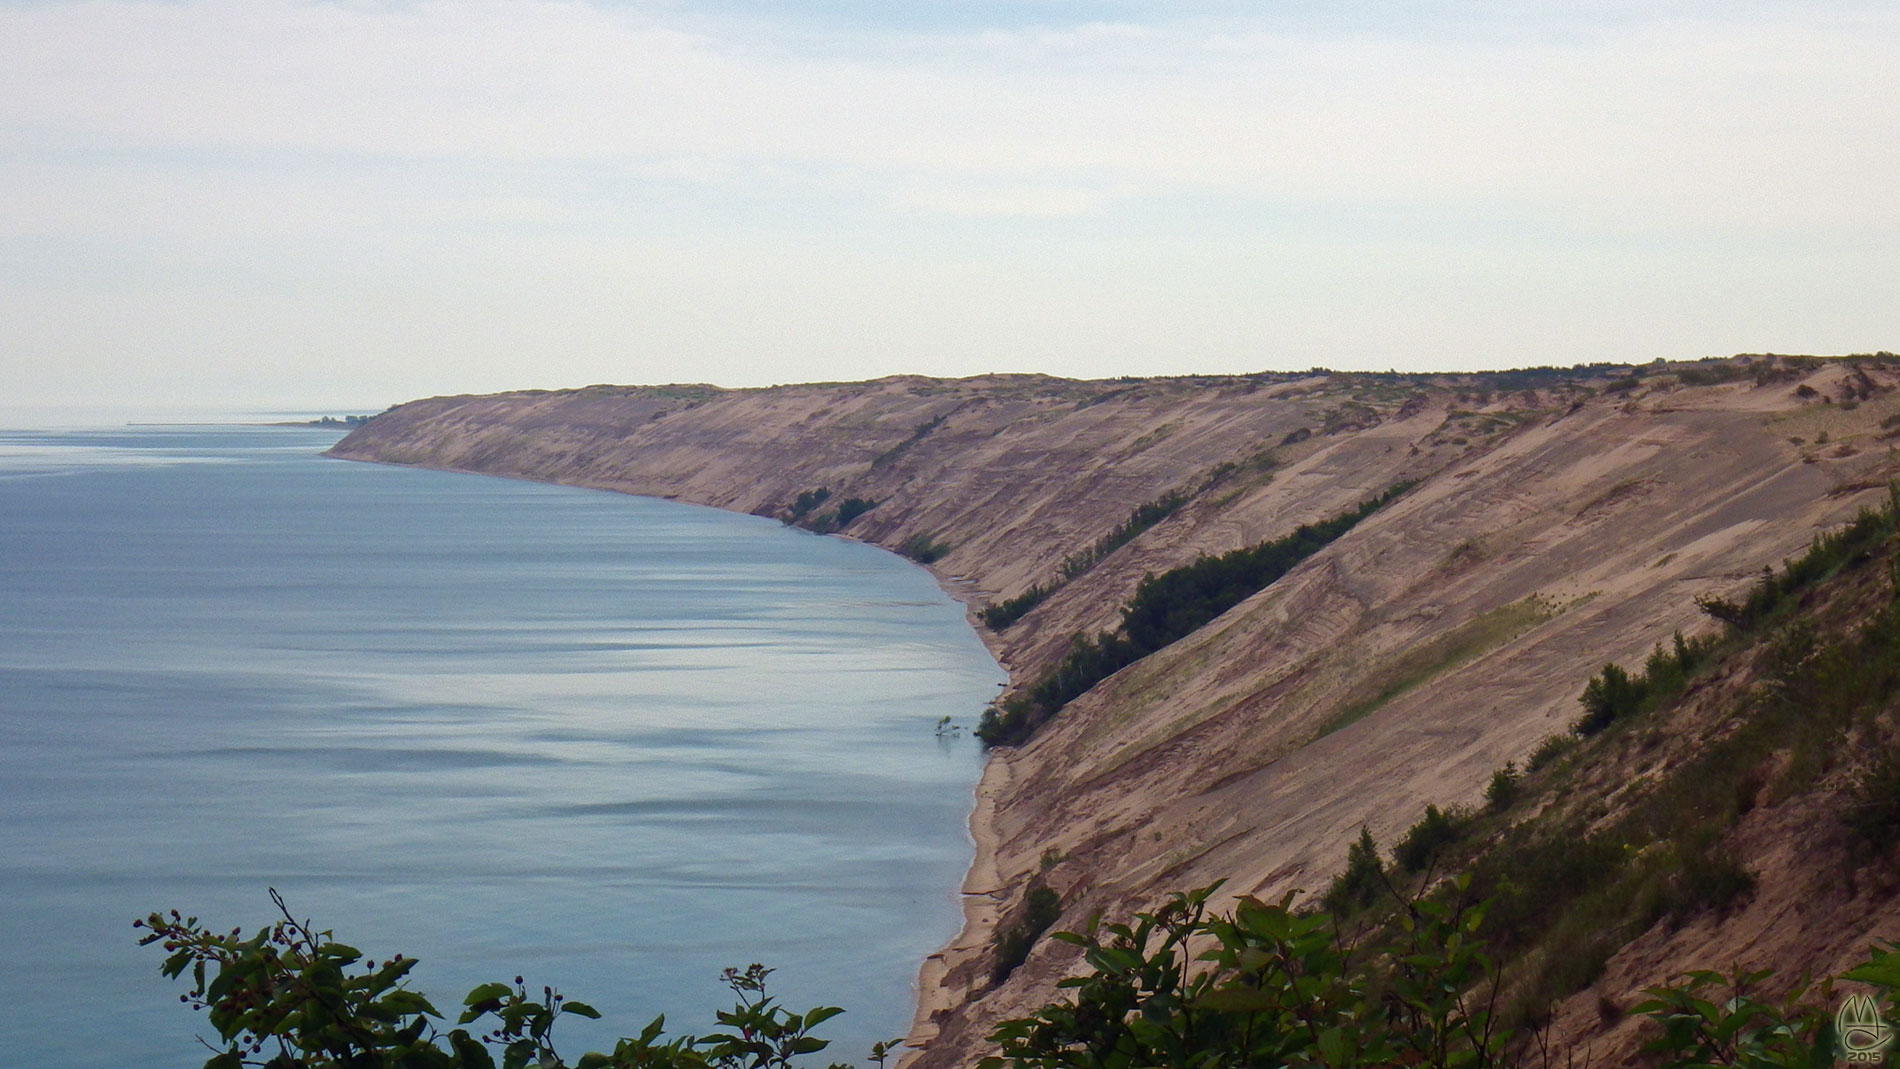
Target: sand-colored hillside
(1561, 519)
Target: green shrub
(1423, 841)
(1267, 986)
(1663, 672)
(1011, 723)
(1767, 374)
(851, 508)
(1264, 986)
(1004, 613)
(1536, 875)
(808, 500)
(1827, 554)
(1712, 1019)
(1708, 877)
(1549, 751)
(1711, 374)
(1610, 696)
(1615, 694)
(1041, 907)
(1088, 662)
(1873, 811)
(1359, 884)
(924, 549)
(313, 1003)
(1503, 788)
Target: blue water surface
(612, 743)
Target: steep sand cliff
(1560, 520)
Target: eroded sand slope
(1557, 524)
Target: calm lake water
(614, 744)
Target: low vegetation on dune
(1629, 821)
(924, 548)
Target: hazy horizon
(273, 204)
(88, 416)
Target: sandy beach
(982, 894)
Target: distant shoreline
(328, 422)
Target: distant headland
(350, 422)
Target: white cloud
(1049, 202)
(1715, 121)
(1128, 195)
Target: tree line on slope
(999, 616)
(1164, 609)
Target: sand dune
(1557, 524)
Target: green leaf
(473, 1053)
(820, 1015)
(407, 1003)
(1821, 1055)
(1332, 1046)
(220, 984)
(1881, 970)
(581, 1009)
(487, 993)
(1236, 1000)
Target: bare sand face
(1555, 526)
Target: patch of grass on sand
(1422, 663)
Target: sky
(304, 204)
